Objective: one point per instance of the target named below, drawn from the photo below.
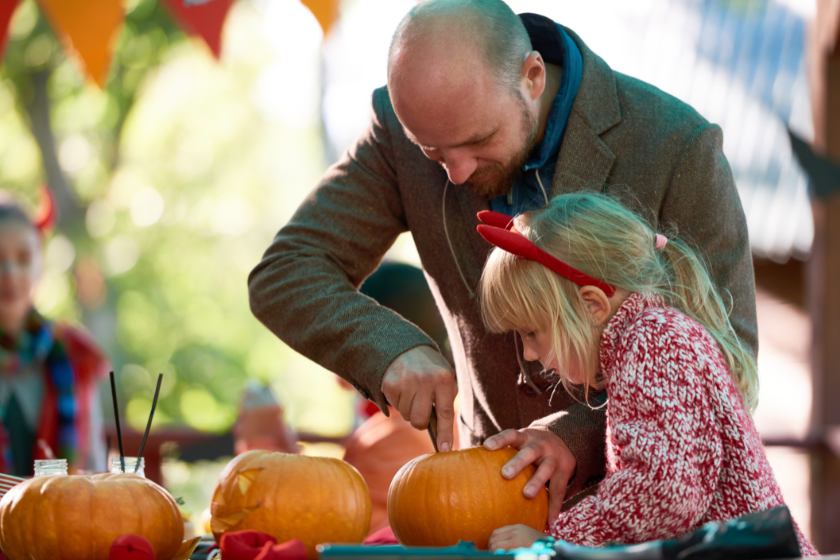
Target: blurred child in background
(49, 404)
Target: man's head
(465, 85)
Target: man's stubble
(505, 175)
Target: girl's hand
(514, 536)
(545, 450)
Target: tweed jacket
(623, 136)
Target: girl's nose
(529, 353)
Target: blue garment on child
(36, 347)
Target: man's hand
(415, 380)
(548, 453)
(514, 536)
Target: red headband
(47, 212)
(498, 232)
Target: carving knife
(432, 427)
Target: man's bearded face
(496, 179)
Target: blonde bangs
(507, 299)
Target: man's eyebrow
(476, 139)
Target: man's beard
(502, 177)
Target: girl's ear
(597, 303)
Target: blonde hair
(600, 237)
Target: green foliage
(179, 183)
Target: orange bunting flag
(202, 17)
(325, 11)
(87, 29)
(7, 8)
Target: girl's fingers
(556, 493)
(512, 438)
(527, 455)
(546, 469)
(499, 542)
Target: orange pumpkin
(442, 498)
(79, 517)
(314, 499)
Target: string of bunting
(88, 29)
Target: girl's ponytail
(690, 289)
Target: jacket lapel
(585, 161)
(462, 207)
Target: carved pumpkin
(442, 498)
(314, 499)
(79, 517)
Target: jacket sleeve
(581, 427)
(305, 289)
(670, 450)
(703, 202)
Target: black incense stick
(117, 419)
(149, 425)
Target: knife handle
(432, 427)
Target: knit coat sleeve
(664, 449)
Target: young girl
(604, 302)
(48, 372)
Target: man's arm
(703, 205)
(305, 289)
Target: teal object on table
(540, 550)
(764, 535)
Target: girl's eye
(530, 335)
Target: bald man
(484, 109)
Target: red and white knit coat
(681, 448)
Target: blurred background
(173, 174)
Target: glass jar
(130, 464)
(50, 467)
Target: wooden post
(823, 282)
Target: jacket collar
(584, 162)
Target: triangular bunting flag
(202, 17)
(7, 8)
(88, 29)
(325, 11)
(823, 172)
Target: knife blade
(432, 427)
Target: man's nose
(458, 167)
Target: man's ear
(597, 303)
(533, 75)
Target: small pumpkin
(442, 498)
(314, 499)
(79, 517)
